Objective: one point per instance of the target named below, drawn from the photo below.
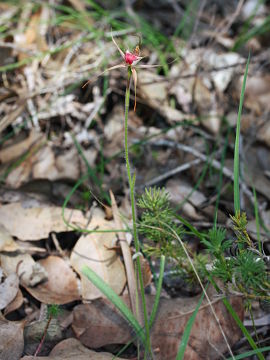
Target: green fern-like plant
(216, 242)
(240, 228)
(249, 271)
(159, 226)
(244, 271)
(156, 219)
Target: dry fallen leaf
(224, 62)
(252, 227)
(6, 241)
(153, 87)
(15, 304)
(11, 339)
(8, 290)
(29, 272)
(257, 93)
(17, 149)
(48, 165)
(102, 319)
(179, 191)
(94, 250)
(70, 349)
(37, 222)
(34, 35)
(42, 160)
(62, 285)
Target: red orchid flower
(131, 59)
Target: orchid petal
(148, 66)
(121, 52)
(154, 65)
(109, 69)
(139, 58)
(134, 76)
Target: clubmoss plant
(158, 225)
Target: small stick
(172, 172)
(215, 163)
(131, 278)
(44, 335)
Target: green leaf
(158, 293)
(250, 353)
(187, 331)
(116, 300)
(236, 147)
(243, 329)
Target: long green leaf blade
(243, 328)
(236, 147)
(187, 331)
(250, 353)
(115, 299)
(158, 293)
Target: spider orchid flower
(131, 59)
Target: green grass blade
(116, 300)
(189, 226)
(155, 305)
(257, 30)
(187, 331)
(250, 353)
(219, 186)
(237, 319)
(257, 219)
(76, 228)
(236, 147)
(90, 171)
(243, 328)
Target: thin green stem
(133, 209)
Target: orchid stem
(133, 209)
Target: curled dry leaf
(62, 285)
(257, 93)
(11, 339)
(71, 349)
(12, 152)
(146, 271)
(15, 304)
(224, 62)
(49, 166)
(42, 160)
(102, 319)
(29, 272)
(36, 223)
(8, 290)
(94, 250)
(6, 241)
